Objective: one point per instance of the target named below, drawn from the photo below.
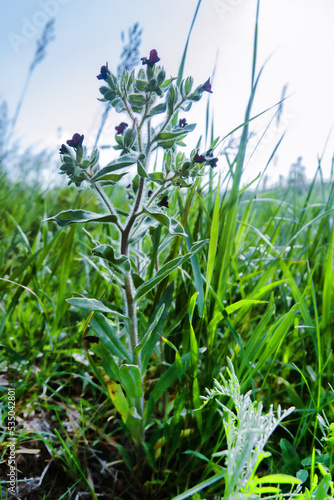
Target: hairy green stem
(128, 284)
(131, 115)
(132, 313)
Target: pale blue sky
(298, 34)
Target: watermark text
(31, 27)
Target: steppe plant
(152, 104)
(247, 431)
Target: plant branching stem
(128, 109)
(128, 282)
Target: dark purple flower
(152, 60)
(213, 162)
(182, 123)
(63, 150)
(198, 158)
(210, 159)
(76, 141)
(149, 194)
(207, 86)
(104, 72)
(164, 202)
(121, 127)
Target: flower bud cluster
(186, 170)
(142, 98)
(75, 160)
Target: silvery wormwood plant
(144, 99)
(247, 431)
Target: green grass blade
(166, 270)
(200, 486)
(213, 241)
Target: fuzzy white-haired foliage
(247, 431)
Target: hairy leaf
(80, 216)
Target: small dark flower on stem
(207, 86)
(164, 202)
(152, 60)
(149, 194)
(121, 127)
(182, 123)
(213, 162)
(76, 141)
(210, 159)
(63, 150)
(104, 73)
(198, 158)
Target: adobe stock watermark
(269, 136)
(225, 6)
(31, 27)
(11, 475)
(277, 126)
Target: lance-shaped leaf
(137, 100)
(94, 305)
(108, 94)
(167, 269)
(134, 424)
(171, 375)
(242, 303)
(188, 84)
(167, 143)
(131, 381)
(176, 133)
(181, 182)
(129, 137)
(171, 345)
(167, 82)
(120, 264)
(151, 341)
(170, 99)
(80, 216)
(141, 85)
(118, 398)
(167, 140)
(121, 162)
(157, 177)
(108, 336)
(160, 108)
(141, 169)
(149, 330)
(107, 361)
(173, 226)
(193, 341)
(94, 158)
(111, 178)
